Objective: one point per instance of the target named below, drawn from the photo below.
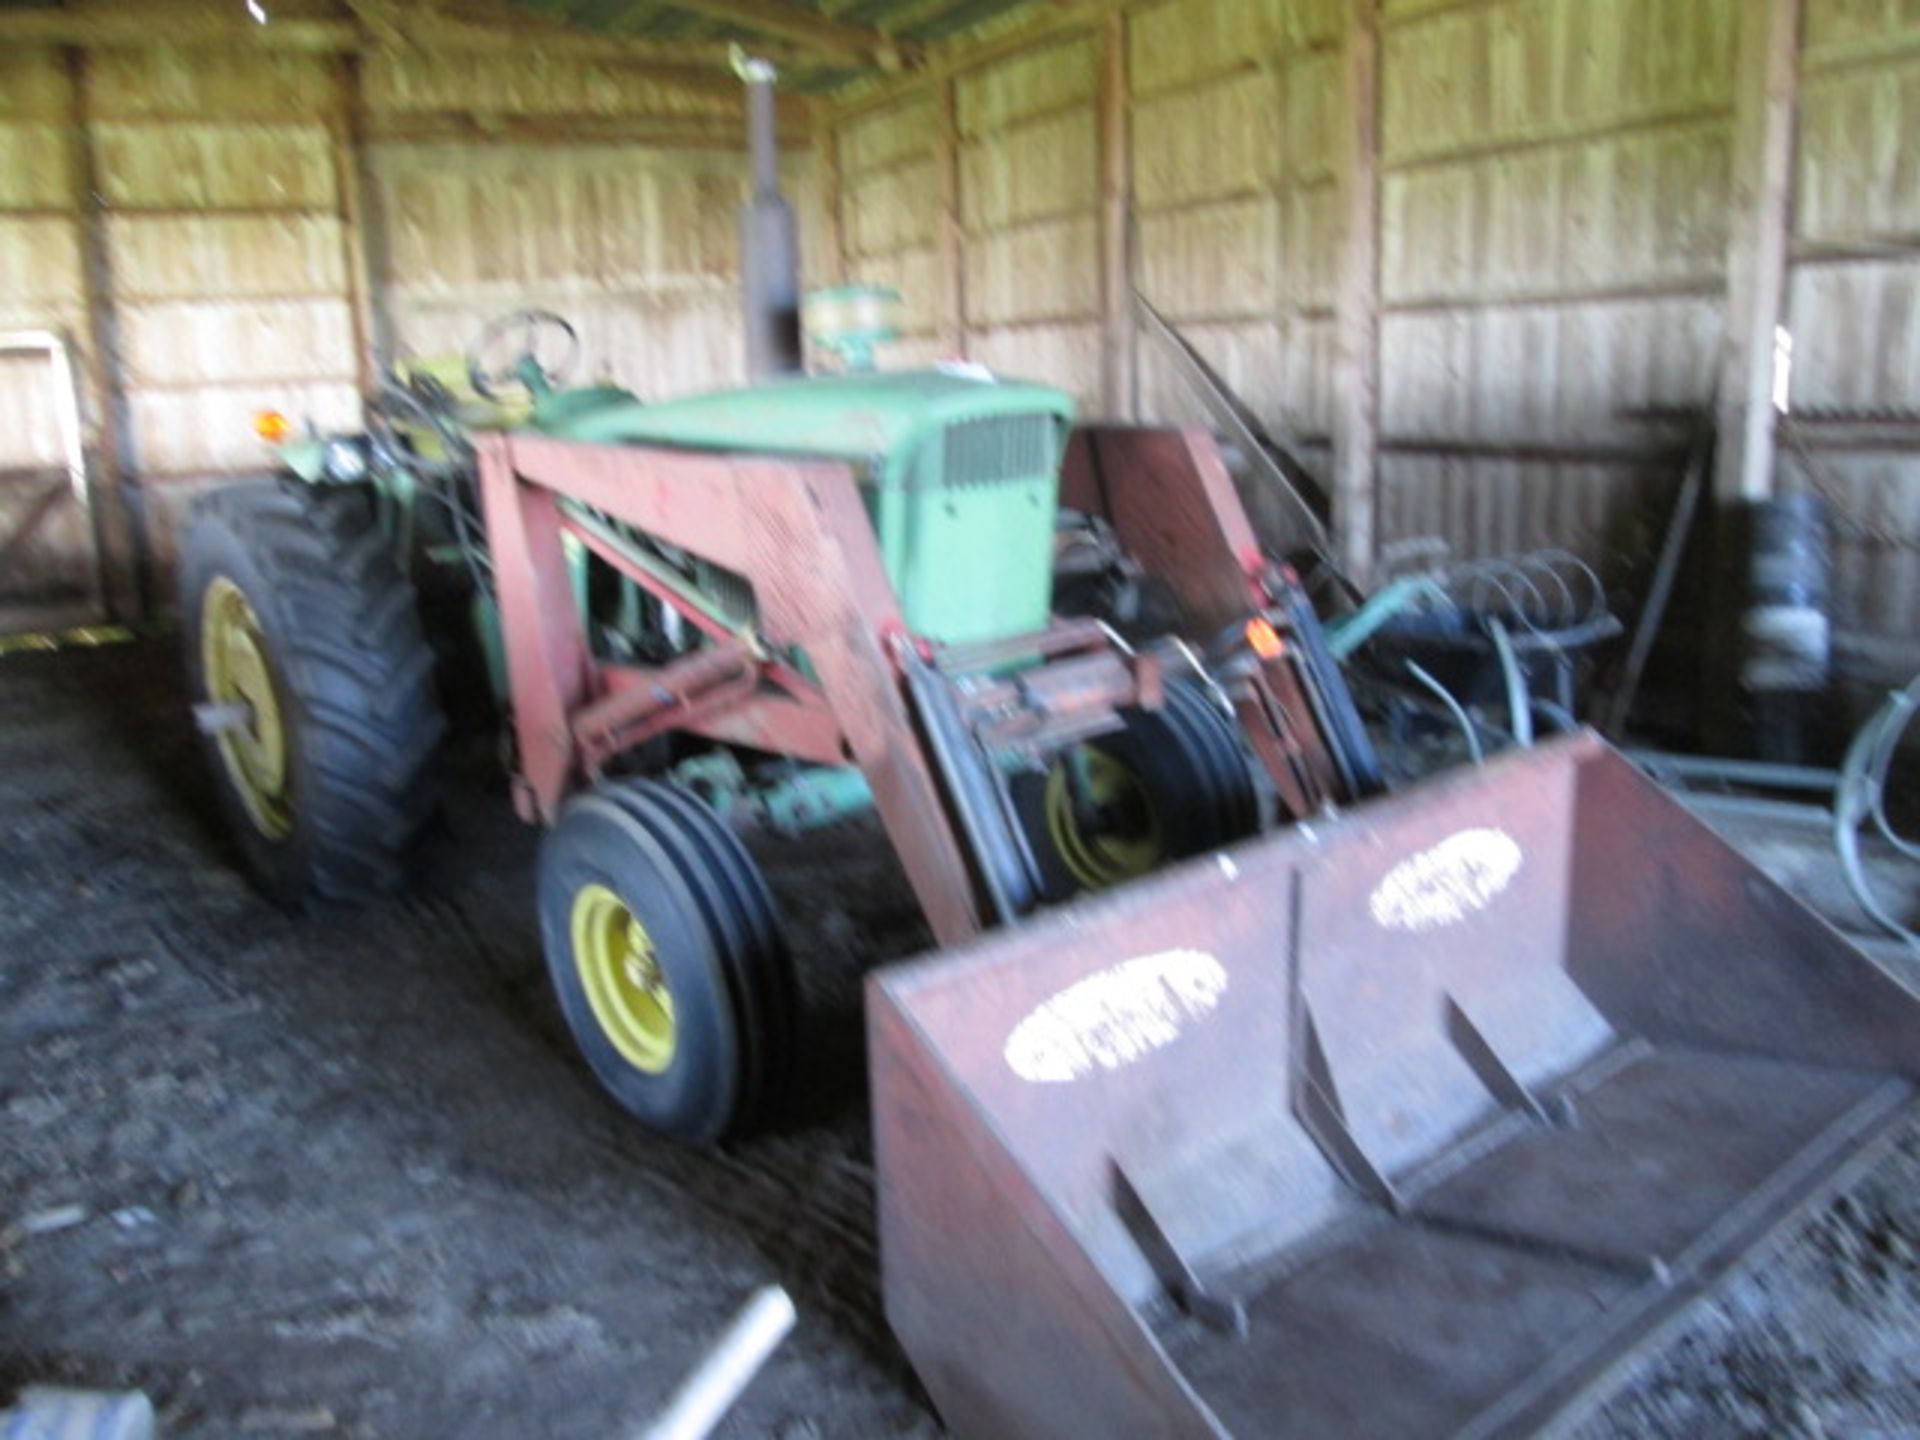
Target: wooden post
(1766, 114)
(118, 527)
(949, 235)
(1356, 366)
(832, 266)
(1117, 383)
(372, 340)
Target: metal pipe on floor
(706, 1395)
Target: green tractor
(1024, 757)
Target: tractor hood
(849, 417)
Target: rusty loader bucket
(1415, 1124)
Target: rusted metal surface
(798, 532)
(1173, 508)
(641, 703)
(1450, 1104)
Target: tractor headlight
(345, 461)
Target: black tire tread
(726, 884)
(359, 673)
(767, 975)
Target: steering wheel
(546, 346)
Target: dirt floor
(339, 1174)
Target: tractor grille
(987, 452)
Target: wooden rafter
(808, 29)
(455, 27)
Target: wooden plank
(116, 532)
(192, 24)
(1766, 114)
(350, 179)
(195, 28)
(807, 29)
(1356, 368)
(466, 127)
(832, 266)
(949, 239)
(1118, 385)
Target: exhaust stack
(769, 240)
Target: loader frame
(798, 532)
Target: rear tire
(1174, 783)
(666, 954)
(296, 617)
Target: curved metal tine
(1476, 580)
(1519, 698)
(1513, 577)
(1475, 749)
(1553, 615)
(1890, 723)
(1561, 560)
(1540, 616)
(1846, 840)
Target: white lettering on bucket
(1115, 1016)
(1444, 885)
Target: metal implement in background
(1856, 796)
(1499, 644)
(1416, 1123)
(1666, 574)
(1282, 473)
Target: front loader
(1406, 1119)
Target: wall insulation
(892, 217)
(259, 220)
(1029, 215)
(1237, 229)
(1556, 189)
(634, 241)
(1555, 181)
(220, 197)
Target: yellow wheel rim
(1125, 844)
(624, 981)
(233, 655)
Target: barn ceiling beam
(189, 26)
(493, 25)
(475, 28)
(808, 29)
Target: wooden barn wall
(891, 217)
(226, 243)
(219, 233)
(1236, 230)
(1028, 163)
(42, 287)
(1854, 311)
(1554, 177)
(635, 241)
(1555, 180)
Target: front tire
(665, 952)
(305, 654)
(1171, 784)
